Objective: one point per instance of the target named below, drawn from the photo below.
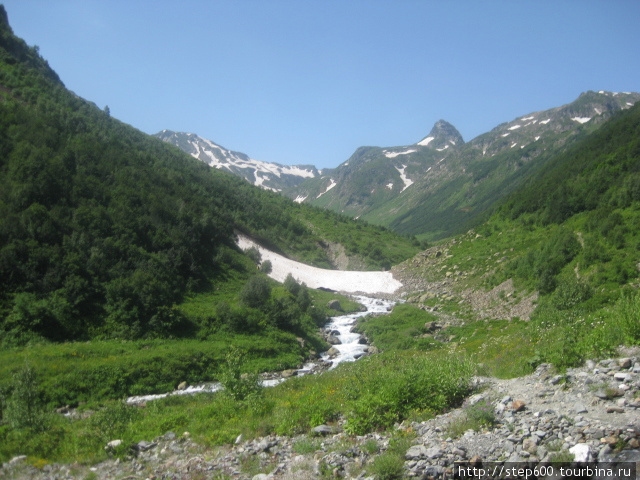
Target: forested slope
(104, 228)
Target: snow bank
(340, 280)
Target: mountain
(441, 186)
(106, 231)
(270, 176)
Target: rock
(615, 410)
(518, 405)
(530, 444)
(143, 446)
(580, 408)
(264, 445)
(239, 439)
(335, 305)
(289, 373)
(556, 379)
(624, 362)
(333, 352)
(333, 340)
(260, 476)
(113, 444)
(581, 452)
(183, 385)
(17, 459)
(323, 430)
(416, 452)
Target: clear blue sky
(301, 81)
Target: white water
(350, 350)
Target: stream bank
(348, 347)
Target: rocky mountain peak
(442, 135)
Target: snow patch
(524, 119)
(426, 141)
(581, 119)
(537, 138)
(515, 127)
(505, 134)
(598, 111)
(406, 180)
(544, 122)
(395, 154)
(390, 186)
(340, 280)
(331, 185)
(443, 148)
(300, 199)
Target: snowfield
(340, 280)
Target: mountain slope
(270, 176)
(104, 229)
(441, 186)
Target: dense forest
(103, 228)
(588, 200)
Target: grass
(403, 329)
(371, 394)
(473, 417)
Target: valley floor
(591, 412)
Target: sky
(308, 82)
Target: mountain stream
(349, 350)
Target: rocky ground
(588, 413)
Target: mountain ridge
(267, 175)
(438, 192)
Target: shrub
(256, 292)
(266, 267)
(24, 407)
(236, 384)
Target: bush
(24, 407)
(256, 292)
(237, 384)
(266, 267)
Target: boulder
(416, 452)
(335, 305)
(581, 452)
(113, 444)
(324, 430)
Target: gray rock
(335, 305)
(580, 408)
(324, 430)
(143, 446)
(416, 452)
(434, 452)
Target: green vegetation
(371, 394)
(119, 275)
(405, 328)
(104, 230)
(473, 417)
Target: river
(349, 350)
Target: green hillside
(103, 229)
